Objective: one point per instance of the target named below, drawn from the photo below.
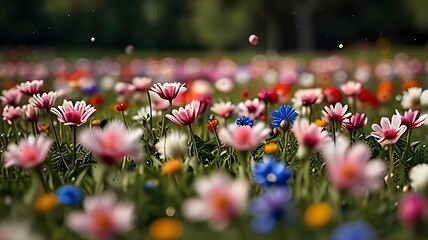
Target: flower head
(271, 148)
(173, 146)
(318, 214)
(244, 121)
(268, 96)
(212, 125)
(171, 166)
(419, 178)
(351, 88)
(166, 229)
(388, 132)
(307, 97)
(414, 98)
(11, 113)
(284, 117)
(73, 115)
(223, 109)
(46, 202)
(31, 112)
(358, 230)
(244, 138)
(31, 87)
(409, 119)
(185, 116)
(28, 153)
(11, 97)
(141, 84)
(271, 172)
(356, 121)
(336, 112)
(251, 108)
(144, 113)
(168, 91)
(309, 136)
(413, 210)
(69, 195)
(44, 101)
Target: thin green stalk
(391, 164)
(284, 150)
(41, 178)
(244, 172)
(217, 141)
(34, 126)
(74, 130)
(151, 112)
(57, 141)
(195, 148)
(15, 129)
(403, 159)
(333, 131)
(354, 103)
(310, 113)
(124, 119)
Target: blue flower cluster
(244, 121)
(69, 195)
(284, 117)
(271, 172)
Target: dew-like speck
(92, 39)
(341, 45)
(68, 15)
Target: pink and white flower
(31, 87)
(28, 153)
(112, 143)
(350, 168)
(336, 112)
(73, 115)
(44, 101)
(251, 108)
(388, 132)
(31, 112)
(11, 113)
(309, 136)
(409, 119)
(220, 200)
(244, 138)
(351, 88)
(185, 116)
(168, 91)
(103, 217)
(123, 88)
(11, 97)
(356, 121)
(307, 97)
(141, 84)
(158, 104)
(223, 109)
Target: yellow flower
(271, 148)
(321, 122)
(96, 122)
(318, 214)
(172, 166)
(165, 229)
(46, 202)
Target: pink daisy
(309, 136)
(73, 115)
(28, 153)
(168, 91)
(11, 113)
(223, 109)
(185, 116)
(409, 119)
(11, 97)
(351, 88)
(31, 87)
(251, 108)
(44, 101)
(336, 113)
(244, 138)
(356, 121)
(307, 97)
(388, 132)
(141, 84)
(31, 112)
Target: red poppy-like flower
(212, 125)
(120, 107)
(332, 95)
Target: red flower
(332, 95)
(212, 125)
(120, 107)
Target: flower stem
(333, 131)
(218, 143)
(244, 172)
(151, 112)
(391, 164)
(74, 130)
(34, 126)
(15, 129)
(284, 150)
(402, 166)
(124, 119)
(195, 148)
(57, 142)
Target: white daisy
(419, 177)
(174, 146)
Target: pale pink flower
(185, 116)
(336, 112)
(251, 108)
(409, 119)
(112, 143)
(123, 88)
(356, 121)
(73, 115)
(220, 200)
(103, 217)
(244, 138)
(31, 87)
(223, 109)
(350, 168)
(31, 112)
(309, 136)
(158, 104)
(168, 91)
(28, 153)
(351, 88)
(11, 97)
(11, 113)
(388, 132)
(141, 84)
(44, 101)
(307, 97)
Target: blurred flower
(123, 88)
(43, 127)
(336, 112)
(185, 116)
(112, 143)
(171, 166)
(165, 229)
(46, 202)
(11, 113)
(144, 113)
(388, 132)
(244, 95)
(244, 121)
(73, 115)
(18, 230)
(271, 172)
(318, 214)
(158, 104)
(31, 87)
(220, 200)
(173, 146)
(309, 136)
(322, 123)
(103, 217)
(413, 210)
(11, 97)
(69, 195)
(244, 138)
(271, 148)
(332, 95)
(419, 178)
(270, 208)
(44, 101)
(120, 107)
(223, 109)
(268, 96)
(283, 91)
(356, 121)
(96, 100)
(205, 102)
(253, 39)
(350, 168)
(251, 108)
(224, 85)
(351, 88)
(414, 98)
(410, 84)
(96, 122)
(141, 84)
(212, 125)
(28, 153)
(168, 91)
(31, 112)
(307, 97)
(409, 119)
(284, 117)
(358, 230)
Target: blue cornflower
(69, 195)
(90, 90)
(358, 230)
(244, 121)
(271, 172)
(270, 208)
(284, 117)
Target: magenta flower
(356, 121)
(205, 102)
(112, 143)
(220, 200)
(103, 219)
(307, 97)
(31, 87)
(11, 97)
(351, 88)
(336, 113)
(223, 109)
(268, 96)
(28, 153)
(168, 91)
(185, 116)
(31, 112)
(11, 113)
(388, 132)
(413, 210)
(244, 138)
(350, 168)
(141, 84)
(409, 119)
(251, 108)
(44, 101)
(309, 136)
(73, 115)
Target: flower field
(275, 148)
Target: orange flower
(385, 91)
(43, 127)
(318, 214)
(245, 94)
(96, 122)
(409, 84)
(271, 148)
(283, 91)
(97, 101)
(321, 122)
(46, 202)
(172, 166)
(211, 125)
(165, 229)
